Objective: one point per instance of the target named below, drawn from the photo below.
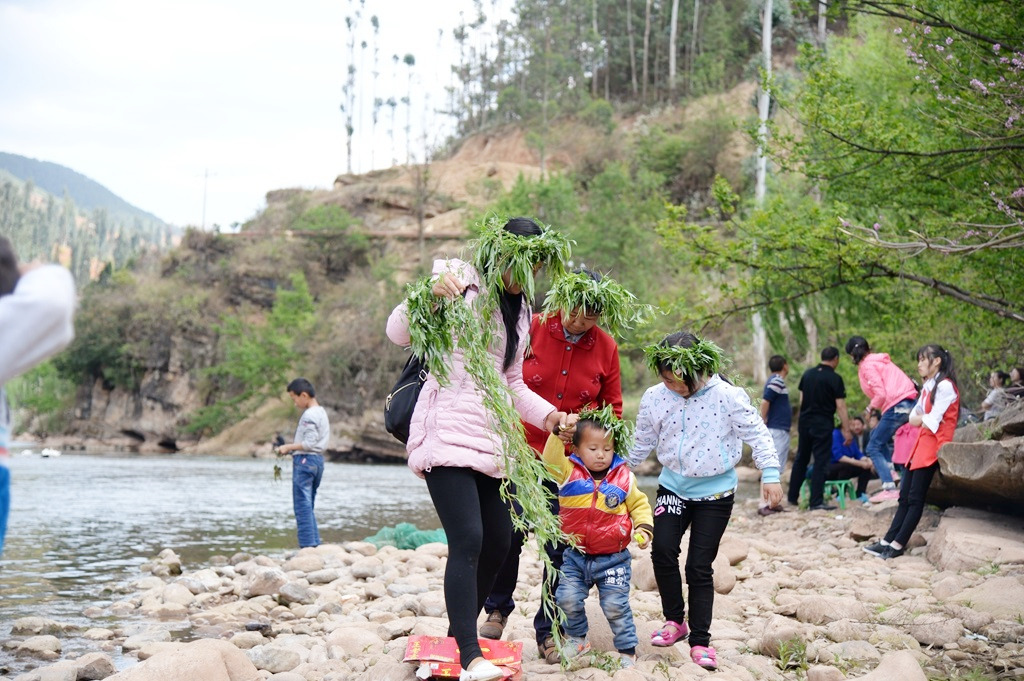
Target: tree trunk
(632, 47)
(544, 97)
(647, 47)
(693, 46)
(763, 104)
(596, 39)
(822, 10)
(673, 34)
(607, 65)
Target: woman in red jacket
(573, 364)
(936, 412)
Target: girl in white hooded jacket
(697, 422)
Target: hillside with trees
(888, 204)
(72, 220)
(59, 180)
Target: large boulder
(900, 665)
(1011, 421)
(980, 474)
(968, 539)
(1001, 597)
(203, 660)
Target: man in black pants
(822, 394)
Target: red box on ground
(438, 656)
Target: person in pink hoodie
(453, 447)
(891, 392)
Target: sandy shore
(797, 599)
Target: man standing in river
(311, 437)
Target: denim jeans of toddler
(307, 469)
(611, 573)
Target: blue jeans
(611, 572)
(5, 503)
(307, 469)
(879, 448)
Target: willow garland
(440, 327)
(621, 430)
(619, 309)
(704, 358)
(496, 250)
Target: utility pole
(206, 178)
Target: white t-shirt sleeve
(35, 319)
(944, 396)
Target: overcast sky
(147, 96)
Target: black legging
(913, 490)
(706, 521)
(479, 529)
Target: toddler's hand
(643, 537)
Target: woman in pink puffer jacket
(451, 445)
(891, 392)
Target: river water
(81, 524)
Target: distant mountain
(86, 193)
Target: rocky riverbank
(798, 599)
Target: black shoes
(876, 548)
(824, 507)
(890, 552)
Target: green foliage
(497, 251)
(690, 159)
(258, 357)
(619, 309)
(338, 248)
(793, 260)
(600, 115)
(100, 349)
(703, 358)
(324, 217)
(621, 430)
(43, 392)
(42, 227)
(553, 200)
(793, 654)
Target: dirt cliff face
(151, 418)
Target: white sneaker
(483, 670)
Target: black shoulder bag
(401, 401)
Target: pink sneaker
(704, 656)
(885, 495)
(669, 633)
